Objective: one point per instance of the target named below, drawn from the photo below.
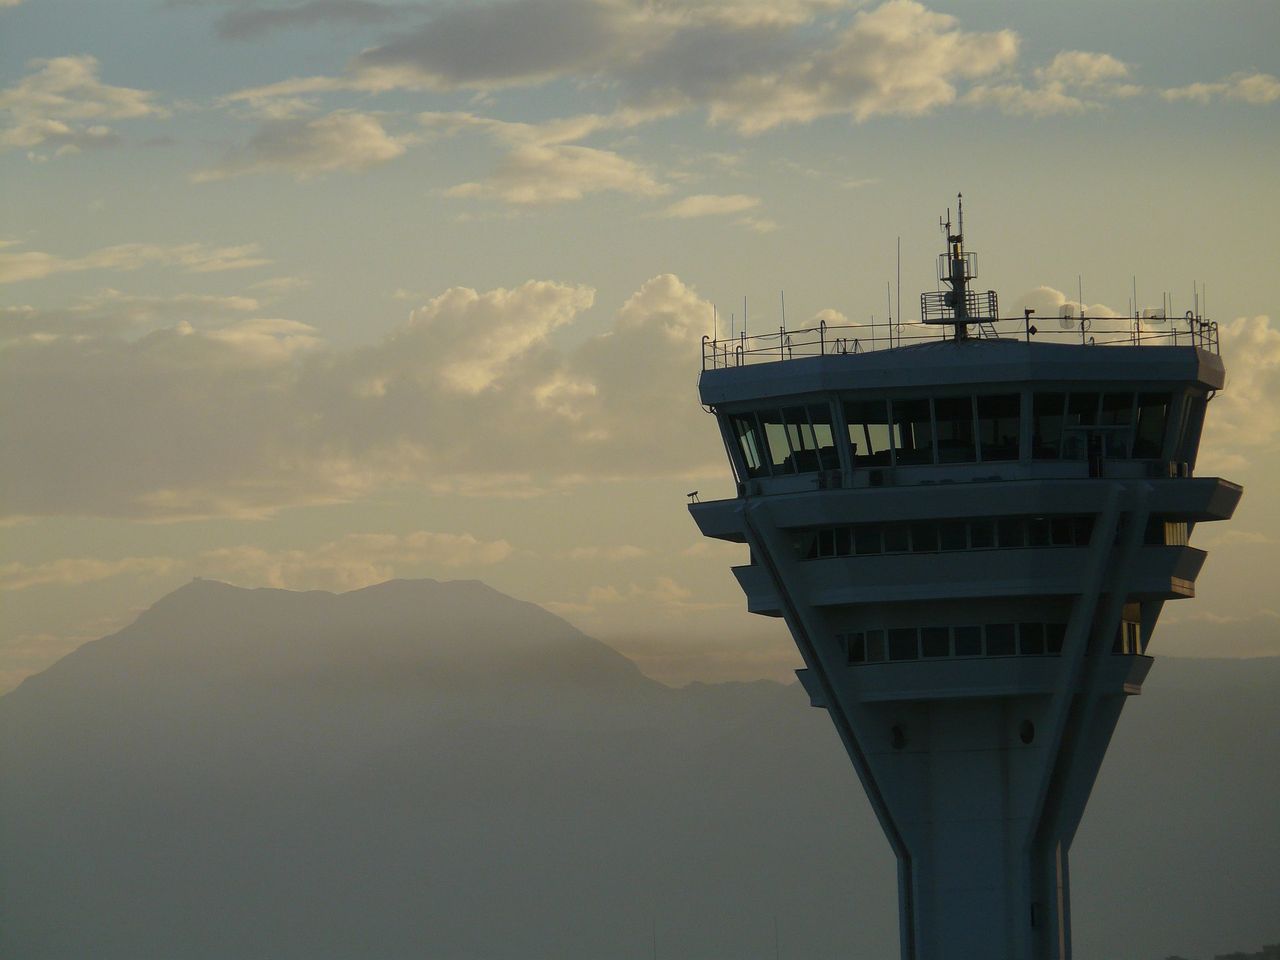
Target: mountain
(424, 769)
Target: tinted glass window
(1031, 638)
(869, 438)
(982, 534)
(951, 535)
(1038, 532)
(1000, 640)
(749, 442)
(935, 641)
(857, 647)
(777, 450)
(800, 438)
(875, 645)
(1010, 533)
(1046, 428)
(924, 537)
(866, 538)
(902, 644)
(1053, 637)
(896, 538)
(998, 418)
(954, 417)
(968, 641)
(913, 431)
(1153, 413)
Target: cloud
(73, 571)
(62, 104)
(471, 394)
(111, 311)
(543, 166)
(244, 24)
(344, 140)
(753, 65)
(1074, 81)
(1258, 89)
(710, 205)
(195, 257)
(1243, 421)
(536, 174)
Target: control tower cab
(970, 527)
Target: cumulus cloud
(551, 173)
(1074, 81)
(344, 140)
(195, 257)
(472, 393)
(542, 164)
(1252, 88)
(710, 205)
(1243, 422)
(62, 103)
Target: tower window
(1000, 640)
(998, 418)
(903, 644)
(869, 437)
(913, 429)
(1047, 422)
(1153, 414)
(954, 417)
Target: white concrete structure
(971, 539)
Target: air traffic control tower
(970, 526)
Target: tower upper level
(962, 395)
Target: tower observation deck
(971, 534)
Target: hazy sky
(313, 294)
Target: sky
(314, 294)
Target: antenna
(783, 295)
(714, 323)
(744, 314)
(1135, 295)
(899, 303)
(1080, 293)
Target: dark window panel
(1153, 415)
(869, 432)
(913, 431)
(896, 538)
(1046, 425)
(1011, 533)
(1039, 533)
(982, 534)
(866, 538)
(935, 641)
(1000, 640)
(954, 418)
(902, 644)
(998, 419)
(857, 647)
(1031, 639)
(1054, 634)
(875, 646)
(924, 537)
(968, 641)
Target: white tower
(971, 537)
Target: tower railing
(838, 339)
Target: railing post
(822, 338)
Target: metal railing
(836, 339)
